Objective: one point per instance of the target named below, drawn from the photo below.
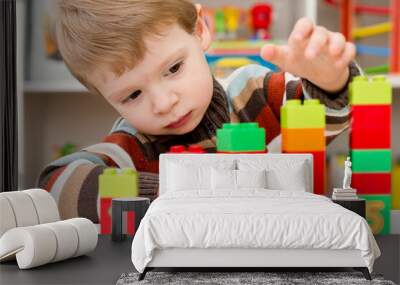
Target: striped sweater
(250, 94)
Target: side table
(139, 205)
(357, 206)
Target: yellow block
(396, 187)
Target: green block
(241, 137)
(378, 91)
(310, 114)
(371, 160)
(116, 185)
(378, 213)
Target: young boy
(146, 58)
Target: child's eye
(133, 96)
(175, 68)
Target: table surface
(104, 265)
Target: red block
(319, 162)
(370, 126)
(371, 117)
(370, 138)
(182, 149)
(130, 227)
(371, 183)
(105, 216)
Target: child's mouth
(180, 122)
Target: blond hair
(110, 33)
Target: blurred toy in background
(238, 37)
(65, 149)
(232, 15)
(219, 21)
(233, 23)
(261, 16)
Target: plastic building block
(182, 149)
(241, 137)
(378, 213)
(105, 216)
(310, 114)
(114, 185)
(395, 222)
(376, 160)
(303, 140)
(370, 139)
(396, 187)
(319, 171)
(362, 117)
(137, 206)
(378, 91)
(367, 133)
(372, 183)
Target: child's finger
(348, 55)
(337, 43)
(302, 30)
(318, 41)
(274, 54)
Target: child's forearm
(336, 84)
(337, 99)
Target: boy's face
(169, 91)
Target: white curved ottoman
(31, 232)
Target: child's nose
(163, 103)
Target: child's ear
(201, 29)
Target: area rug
(242, 278)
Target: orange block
(303, 140)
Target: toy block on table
(241, 137)
(372, 183)
(319, 158)
(377, 91)
(303, 140)
(378, 213)
(183, 149)
(374, 160)
(137, 206)
(115, 185)
(310, 114)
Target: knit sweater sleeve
(256, 94)
(73, 179)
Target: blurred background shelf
(56, 86)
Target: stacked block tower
(371, 156)
(303, 128)
(241, 138)
(116, 185)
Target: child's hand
(314, 53)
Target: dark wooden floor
(110, 260)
